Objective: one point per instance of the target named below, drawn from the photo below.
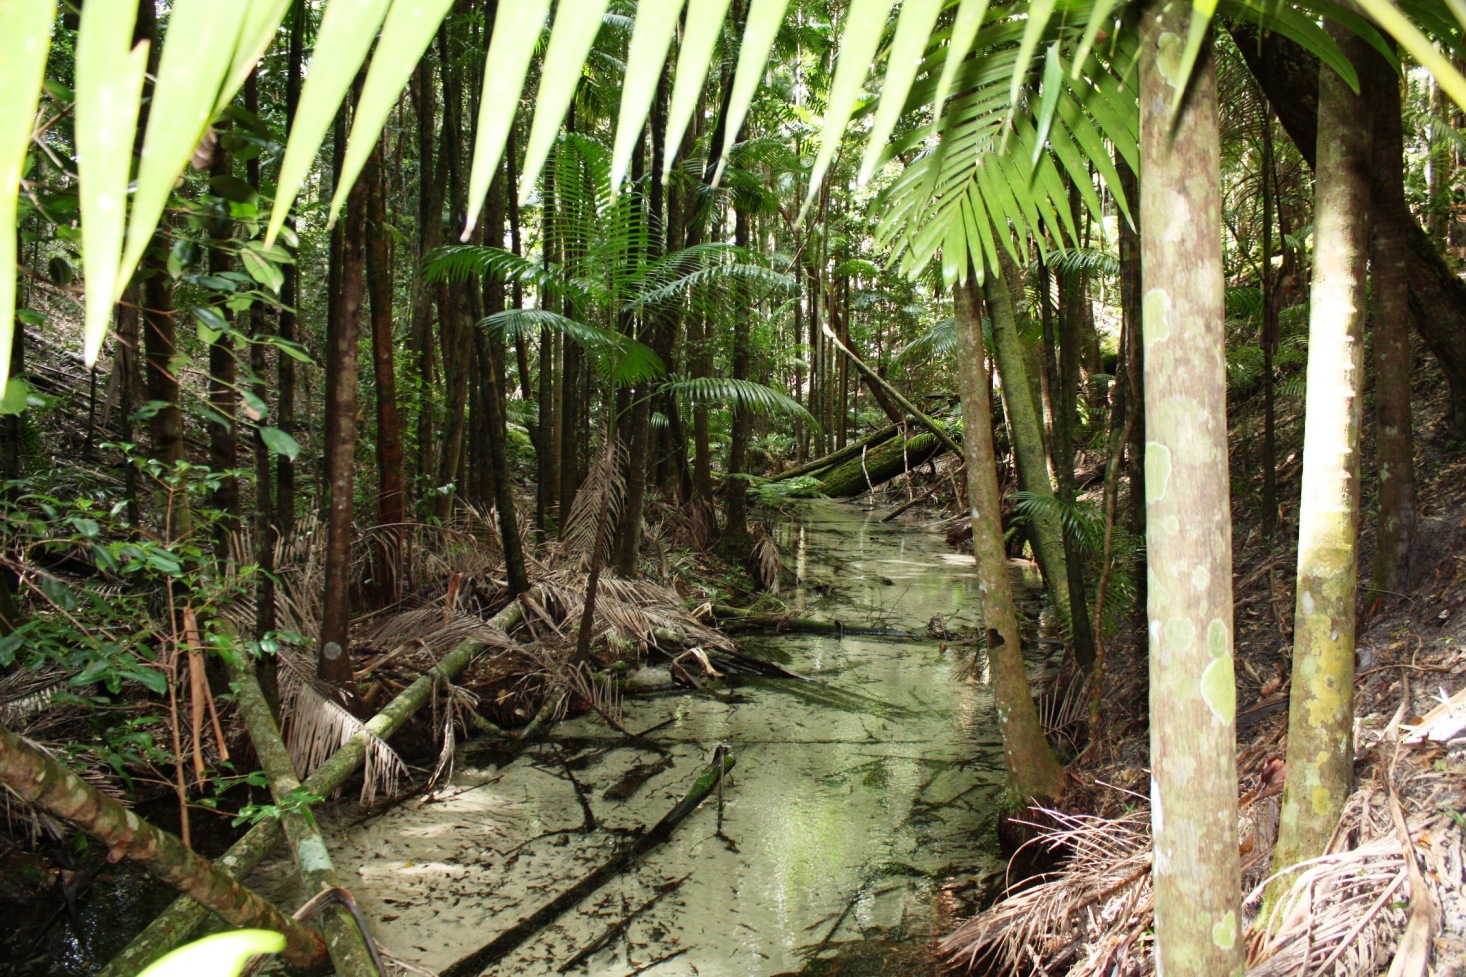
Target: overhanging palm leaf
(620, 359)
(748, 395)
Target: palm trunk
(1193, 739)
(1321, 708)
(1033, 772)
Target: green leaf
(190, 75)
(1398, 26)
(233, 189)
(405, 36)
(342, 43)
(765, 17)
(220, 955)
(211, 323)
(262, 270)
(280, 443)
(507, 62)
(864, 24)
(293, 350)
(1053, 82)
(913, 30)
(969, 18)
(23, 46)
(16, 399)
(153, 680)
(1038, 13)
(645, 59)
(575, 30)
(747, 394)
(109, 78)
(704, 22)
(260, 24)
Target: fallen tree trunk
(878, 466)
(350, 954)
(732, 619)
(835, 457)
(58, 790)
(174, 925)
(521, 932)
(937, 430)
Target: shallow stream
(858, 814)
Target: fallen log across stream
(734, 620)
(174, 925)
(518, 934)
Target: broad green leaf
(864, 25)
(211, 323)
(515, 27)
(190, 74)
(406, 35)
(913, 30)
(262, 270)
(964, 29)
(1053, 81)
(255, 35)
(345, 37)
(646, 58)
(704, 22)
(16, 399)
(23, 46)
(764, 19)
(220, 955)
(280, 443)
(575, 29)
(109, 81)
(1039, 12)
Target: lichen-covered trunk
(1193, 700)
(1045, 529)
(1389, 262)
(1033, 772)
(1321, 709)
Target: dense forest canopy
(525, 318)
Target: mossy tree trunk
(1193, 705)
(1033, 771)
(1047, 531)
(1321, 709)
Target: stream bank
(856, 825)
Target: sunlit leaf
(1053, 81)
(1038, 13)
(645, 60)
(704, 22)
(345, 37)
(1398, 26)
(260, 24)
(109, 80)
(764, 19)
(747, 394)
(964, 29)
(913, 31)
(190, 77)
(515, 27)
(575, 30)
(23, 46)
(408, 31)
(279, 442)
(220, 955)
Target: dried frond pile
(637, 613)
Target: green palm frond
(747, 394)
(936, 343)
(470, 262)
(1083, 261)
(620, 359)
(1082, 522)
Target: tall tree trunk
(1046, 529)
(1193, 707)
(1129, 245)
(1270, 300)
(265, 525)
(429, 236)
(1289, 76)
(1033, 772)
(454, 311)
(334, 659)
(1321, 707)
(391, 474)
(736, 542)
(289, 290)
(1389, 262)
(1072, 302)
(165, 425)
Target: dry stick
(939, 432)
(351, 955)
(58, 790)
(524, 930)
(174, 924)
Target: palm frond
(471, 262)
(1080, 520)
(937, 342)
(622, 360)
(747, 394)
(1083, 261)
(601, 496)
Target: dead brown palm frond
(561, 679)
(27, 696)
(1344, 911)
(1085, 917)
(765, 565)
(317, 725)
(1063, 708)
(601, 494)
(439, 630)
(638, 612)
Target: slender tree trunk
(1129, 244)
(1269, 334)
(334, 662)
(1193, 738)
(223, 377)
(391, 474)
(736, 542)
(1033, 772)
(289, 291)
(165, 425)
(429, 236)
(1073, 301)
(1389, 261)
(1321, 708)
(265, 526)
(1046, 529)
